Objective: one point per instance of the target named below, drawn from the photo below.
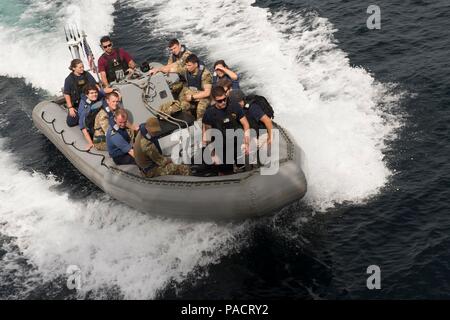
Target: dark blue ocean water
(404, 229)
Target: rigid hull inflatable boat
(239, 195)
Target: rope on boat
(72, 144)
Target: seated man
(112, 61)
(222, 116)
(105, 119)
(91, 102)
(177, 58)
(148, 154)
(257, 118)
(175, 63)
(195, 94)
(119, 139)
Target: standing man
(149, 156)
(113, 61)
(197, 89)
(119, 139)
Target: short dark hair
(224, 83)
(217, 92)
(192, 58)
(90, 87)
(173, 42)
(220, 62)
(105, 39)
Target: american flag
(89, 55)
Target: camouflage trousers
(101, 146)
(176, 88)
(169, 169)
(170, 107)
(198, 105)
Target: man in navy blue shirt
(222, 116)
(91, 100)
(254, 113)
(119, 139)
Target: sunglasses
(107, 46)
(221, 100)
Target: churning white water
(331, 108)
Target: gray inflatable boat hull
(241, 195)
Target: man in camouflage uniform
(148, 155)
(179, 53)
(105, 118)
(195, 94)
(175, 63)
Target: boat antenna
(73, 42)
(67, 41)
(81, 42)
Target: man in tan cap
(148, 154)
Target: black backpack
(89, 121)
(262, 102)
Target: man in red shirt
(113, 61)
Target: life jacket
(195, 81)
(110, 116)
(114, 64)
(89, 119)
(140, 156)
(265, 107)
(178, 57)
(77, 87)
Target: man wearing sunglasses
(224, 115)
(113, 61)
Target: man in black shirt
(222, 116)
(255, 114)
